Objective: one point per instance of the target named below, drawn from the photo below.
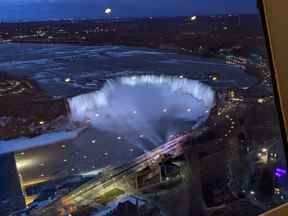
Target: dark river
(51, 64)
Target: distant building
(169, 170)
(235, 60)
(129, 208)
(11, 196)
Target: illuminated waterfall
(147, 107)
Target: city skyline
(16, 10)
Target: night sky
(58, 9)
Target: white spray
(145, 108)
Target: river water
(51, 64)
(87, 68)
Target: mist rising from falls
(143, 109)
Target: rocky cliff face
(26, 110)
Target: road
(87, 193)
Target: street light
(67, 80)
(264, 150)
(193, 18)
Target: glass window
(119, 108)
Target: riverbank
(25, 110)
(251, 68)
(61, 75)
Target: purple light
(279, 170)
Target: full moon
(108, 11)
